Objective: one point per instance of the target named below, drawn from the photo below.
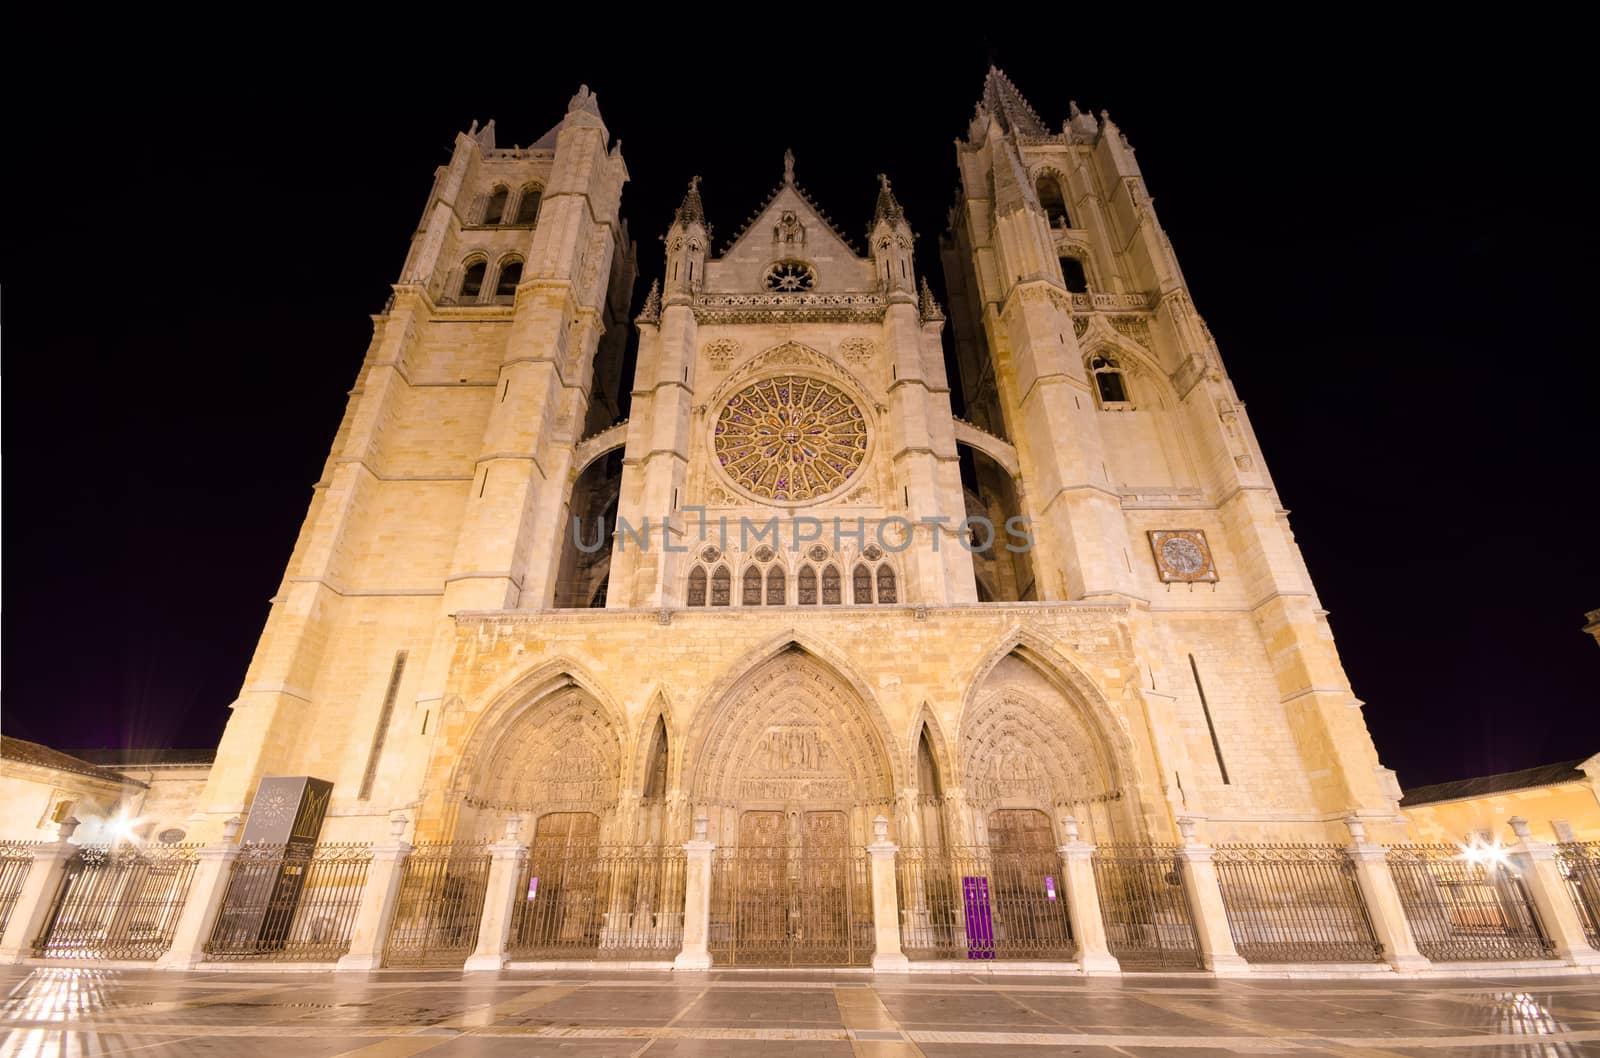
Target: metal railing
(791, 907)
(599, 902)
(118, 902)
(1295, 903)
(16, 860)
(439, 906)
(1465, 904)
(1580, 869)
(1145, 907)
(291, 903)
(970, 902)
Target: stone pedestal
(37, 899)
(1384, 910)
(696, 901)
(378, 901)
(499, 901)
(885, 901)
(1536, 862)
(1210, 915)
(1083, 902)
(212, 875)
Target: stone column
(1535, 861)
(1205, 903)
(1083, 902)
(885, 901)
(378, 900)
(38, 896)
(212, 876)
(499, 899)
(696, 900)
(1387, 914)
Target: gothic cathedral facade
(792, 591)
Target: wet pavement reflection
(67, 1012)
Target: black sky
(1391, 248)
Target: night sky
(1390, 251)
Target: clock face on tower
(790, 439)
(1182, 556)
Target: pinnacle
(693, 210)
(888, 206)
(1001, 98)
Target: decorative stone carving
(720, 354)
(1182, 556)
(857, 350)
(791, 439)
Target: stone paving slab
(70, 1012)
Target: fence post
(378, 900)
(1384, 909)
(1536, 862)
(212, 875)
(696, 955)
(1083, 902)
(1205, 900)
(499, 900)
(885, 901)
(37, 900)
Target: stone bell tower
(446, 487)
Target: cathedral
(591, 563)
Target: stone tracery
(790, 438)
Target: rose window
(790, 277)
(790, 438)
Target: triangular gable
(767, 238)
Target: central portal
(790, 770)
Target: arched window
(1051, 201)
(776, 588)
(886, 587)
(1077, 279)
(510, 276)
(831, 594)
(494, 212)
(861, 585)
(528, 207)
(721, 587)
(808, 587)
(472, 279)
(1108, 380)
(751, 596)
(697, 587)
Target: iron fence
(118, 902)
(16, 860)
(1580, 868)
(791, 907)
(1145, 907)
(1295, 903)
(291, 903)
(440, 904)
(1466, 904)
(976, 903)
(599, 902)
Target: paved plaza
(67, 1012)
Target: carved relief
(561, 752)
(857, 350)
(720, 354)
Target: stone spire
(929, 307)
(888, 207)
(651, 313)
(693, 210)
(1001, 98)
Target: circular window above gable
(791, 439)
(789, 277)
